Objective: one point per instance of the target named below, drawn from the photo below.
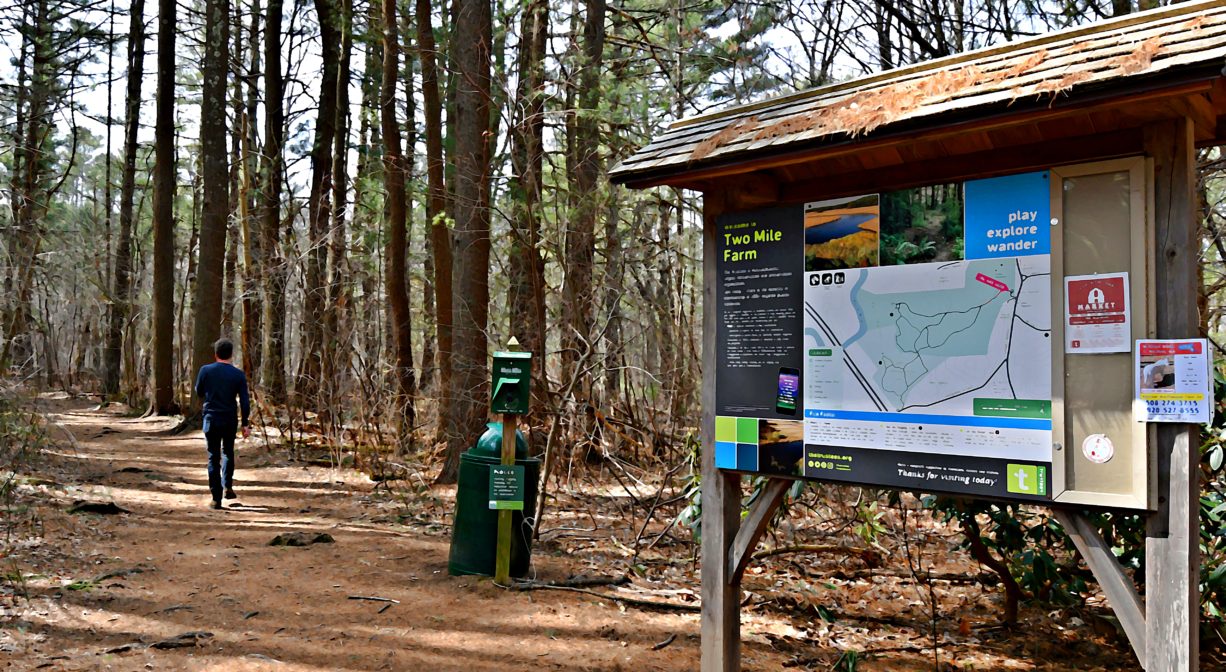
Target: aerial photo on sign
(933, 375)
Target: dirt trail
(281, 608)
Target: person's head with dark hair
(224, 349)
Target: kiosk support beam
(754, 526)
(1121, 593)
(721, 493)
(1172, 551)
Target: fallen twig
(576, 582)
(666, 642)
(632, 601)
(373, 598)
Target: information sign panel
(916, 327)
(507, 487)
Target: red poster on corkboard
(1096, 314)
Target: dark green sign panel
(509, 391)
(507, 487)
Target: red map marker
(992, 282)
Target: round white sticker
(1098, 448)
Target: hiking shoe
(216, 504)
(230, 494)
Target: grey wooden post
(721, 493)
(1172, 551)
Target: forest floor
(172, 584)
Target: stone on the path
(100, 508)
(301, 539)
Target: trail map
(962, 347)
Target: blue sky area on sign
(1008, 216)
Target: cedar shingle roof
(1065, 63)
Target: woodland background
(369, 197)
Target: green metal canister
(474, 531)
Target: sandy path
(287, 608)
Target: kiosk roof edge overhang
(1146, 52)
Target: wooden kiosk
(1067, 156)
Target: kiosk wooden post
(502, 561)
(1172, 546)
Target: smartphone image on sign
(789, 390)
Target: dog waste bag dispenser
(512, 375)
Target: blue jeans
(219, 436)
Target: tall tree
(32, 194)
(526, 300)
(468, 396)
(338, 290)
(120, 287)
(215, 177)
(163, 215)
(577, 297)
(397, 230)
(273, 267)
(319, 203)
(436, 201)
(252, 346)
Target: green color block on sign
(1026, 479)
(1013, 408)
(747, 430)
(507, 487)
(725, 429)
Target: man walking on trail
(217, 385)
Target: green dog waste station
(474, 532)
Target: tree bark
(436, 202)
(470, 311)
(319, 203)
(121, 286)
(527, 272)
(252, 346)
(274, 271)
(33, 192)
(397, 219)
(163, 216)
(577, 295)
(336, 358)
(215, 179)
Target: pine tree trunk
(319, 204)
(164, 184)
(336, 355)
(527, 274)
(577, 293)
(396, 244)
(252, 346)
(215, 178)
(469, 393)
(121, 287)
(274, 270)
(32, 194)
(436, 202)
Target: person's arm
(244, 400)
(199, 387)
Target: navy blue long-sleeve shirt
(217, 385)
